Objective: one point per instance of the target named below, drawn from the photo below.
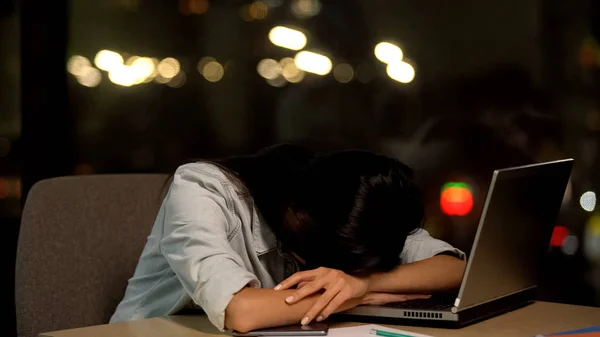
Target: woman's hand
(338, 288)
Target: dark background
(497, 83)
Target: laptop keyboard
(423, 304)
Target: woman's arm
(252, 309)
(438, 273)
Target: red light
(456, 199)
(558, 236)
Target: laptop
(514, 232)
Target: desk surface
(538, 318)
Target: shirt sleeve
(196, 246)
(420, 245)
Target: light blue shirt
(208, 242)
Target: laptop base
(465, 317)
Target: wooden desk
(540, 317)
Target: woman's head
(349, 210)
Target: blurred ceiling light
(388, 53)
(591, 244)
(213, 71)
(155, 63)
(122, 76)
(258, 10)
(178, 81)
(287, 38)
(289, 71)
(588, 201)
(278, 82)
(168, 67)
(108, 60)
(268, 68)
(343, 73)
(313, 63)
(401, 72)
(77, 65)
(91, 78)
(364, 72)
(143, 68)
(204, 61)
(306, 8)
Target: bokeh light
(258, 10)
(123, 76)
(169, 67)
(187, 7)
(160, 79)
(77, 65)
(303, 9)
(177, 81)
(213, 71)
(108, 60)
(588, 201)
(278, 81)
(570, 245)
(313, 63)
(90, 78)
(591, 241)
(401, 72)
(343, 73)
(142, 68)
(287, 38)
(289, 71)
(388, 52)
(268, 68)
(456, 199)
(204, 61)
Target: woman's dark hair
(354, 208)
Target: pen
(387, 334)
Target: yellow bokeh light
(160, 79)
(204, 61)
(177, 81)
(388, 53)
(213, 71)
(143, 68)
(90, 78)
(401, 72)
(278, 81)
(313, 63)
(258, 10)
(123, 76)
(108, 60)
(78, 65)
(287, 38)
(168, 67)
(268, 68)
(289, 71)
(343, 73)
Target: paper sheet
(363, 331)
